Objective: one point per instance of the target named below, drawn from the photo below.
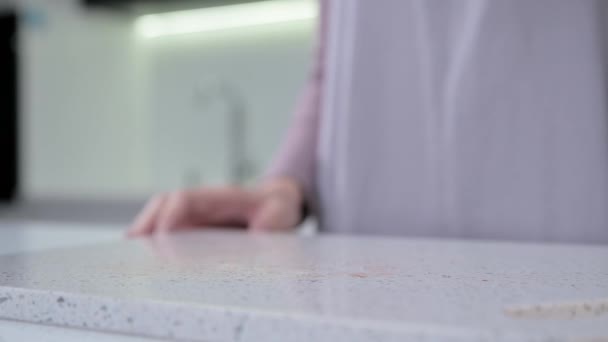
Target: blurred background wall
(109, 115)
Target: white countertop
(28, 236)
(228, 286)
(11, 331)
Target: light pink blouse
(471, 119)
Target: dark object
(160, 5)
(9, 128)
(120, 3)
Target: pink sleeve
(296, 157)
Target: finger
(145, 222)
(174, 212)
(220, 207)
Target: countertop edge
(142, 317)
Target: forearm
(296, 159)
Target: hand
(274, 206)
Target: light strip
(225, 17)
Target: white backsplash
(108, 114)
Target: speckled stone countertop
(230, 286)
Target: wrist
(287, 189)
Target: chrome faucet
(240, 167)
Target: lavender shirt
(472, 119)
